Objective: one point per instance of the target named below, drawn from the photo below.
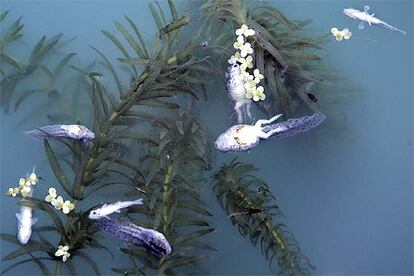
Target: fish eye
(93, 212)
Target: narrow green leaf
(32, 247)
(156, 17)
(56, 168)
(138, 34)
(173, 10)
(3, 15)
(59, 67)
(90, 262)
(111, 68)
(134, 45)
(11, 60)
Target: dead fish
(365, 17)
(72, 132)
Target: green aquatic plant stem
(58, 268)
(165, 194)
(277, 236)
(129, 99)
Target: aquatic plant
(282, 52)
(173, 172)
(168, 70)
(16, 72)
(253, 208)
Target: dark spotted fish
(128, 232)
(73, 132)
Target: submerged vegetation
(282, 52)
(149, 142)
(253, 208)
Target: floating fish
(365, 17)
(131, 233)
(73, 132)
(245, 137)
(237, 92)
(116, 207)
(25, 220)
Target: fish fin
(118, 211)
(34, 220)
(361, 25)
(19, 217)
(105, 205)
(107, 217)
(373, 14)
(139, 201)
(366, 8)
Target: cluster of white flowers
(243, 56)
(63, 251)
(25, 186)
(58, 203)
(339, 35)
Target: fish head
(157, 243)
(24, 233)
(352, 13)
(95, 214)
(233, 70)
(86, 133)
(228, 141)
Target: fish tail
(39, 134)
(388, 26)
(294, 126)
(139, 201)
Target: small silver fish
(245, 137)
(237, 92)
(116, 207)
(365, 17)
(74, 132)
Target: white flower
(33, 178)
(259, 94)
(347, 34)
(339, 35)
(239, 43)
(51, 196)
(246, 49)
(244, 30)
(234, 58)
(257, 76)
(67, 207)
(26, 191)
(13, 192)
(22, 181)
(63, 251)
(57, 203)
(246, 63)
(249, 85)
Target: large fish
(365, 17)
(72, 132)
(245, 137)
(237, 92)
(131, 233)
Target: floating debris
(339, 35)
